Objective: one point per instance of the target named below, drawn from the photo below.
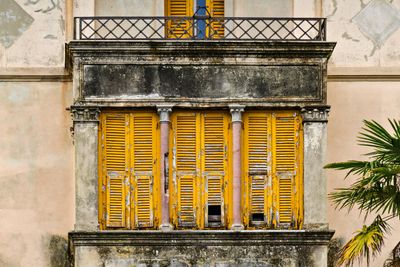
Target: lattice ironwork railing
(200, 28)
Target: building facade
(213, 145)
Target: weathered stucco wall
(364, 84)
(351, 103)
(36, 184)
(32, 35)
(129, 8)
(367, 33)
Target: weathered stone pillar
(164, 111)
(236, 112)
(315, 141)
(86, 172)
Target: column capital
(85, 114)
(164, 111)
(315, 114)
(236, 112)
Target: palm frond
(373, 195)
(387, 146)
(377, 189)
(366, 243)
(354, 167)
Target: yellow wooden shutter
(286, 154)
(144, 157)
(258, 168)
(217, 8)
(177, 27)
(114, 147)
(186, 148)
(214, 167)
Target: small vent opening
(257, 218)
(214, 215)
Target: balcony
(199, 28)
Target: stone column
(236, 112)
(315, 142)
(164, 111)
(85, 129)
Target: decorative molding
(236, 112)
(315, 114)
(363, 77)
(164, 111)
(36, 78)
(85, 114)
(310, 49)
(201, 238)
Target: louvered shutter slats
(199, 146)
(115, 201)
(143, 167)
(179, 28)
(217, 11)
(129, 155)
(257, 148)
(257, 193)
(187, 200)
(186, 150)
(285, 164)
(214, 142)
(214, 167)
(186, 167)
(272, 168)
(114, 142)
(143, 143)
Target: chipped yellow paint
(179, 8)
(217, 10)
(199, 167)
(186, 8)
(128, 170)
(272, 170)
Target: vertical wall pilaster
(164, 111)
(315, 142)
(86, 123)
(236, 112)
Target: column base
(237, 227)
(165, 227)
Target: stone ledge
(201, 238)
(187, 47)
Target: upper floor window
(206, 23)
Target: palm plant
(375, 191)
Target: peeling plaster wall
(33, 36)
(36, 162)
(367, 33)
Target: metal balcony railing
(200, 28)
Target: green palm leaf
(376, 189)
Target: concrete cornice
(201, 237)
(202, 48)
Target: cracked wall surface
(367, 32)
(33, 34)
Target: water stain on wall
(14, 21)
